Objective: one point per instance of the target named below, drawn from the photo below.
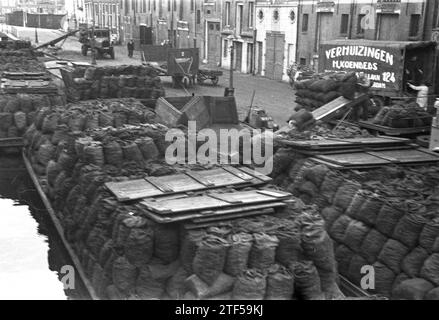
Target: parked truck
(103, 43)
(389, 65)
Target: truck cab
(103, 43)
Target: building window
(192, 5)
(302, 62)
(344, 24)
(261, 15)
(175, 5)
(198, 16)
(305, 22)
(169, 5)
(181, 10)
(414, 25)
(226, 48)
(292, 16)
(276, 15)
(360, 29)
(251, 12)
(155, 6)
(227, 15)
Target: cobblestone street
(276, 97)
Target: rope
(184, 88)
(342, 120)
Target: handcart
(208, 74)
(180, 64)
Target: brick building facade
(238, 29)
(214, 25)
(386, 20)
(184, 23)
(106, 15)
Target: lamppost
(229, 91)
(36, 28)
(93, 53)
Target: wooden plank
(194, 226)
(60, 230)
(338, 167)
(238, 172)
(348, 159)
(194, 175)
(181, 182)
(231, 211)
(11, 142)
(192, 203)
(354, 150)
(220, 177)
(409, 156)
(207, 202)
(159, 184)
(393, 131)
(245, 197)
(336, 106)
(381, 156)
(133, 189)
(166, 219)
(225, 198)
(215, 215)
(239, 214)
(335, 143)
(275, 193)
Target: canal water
(32, 255)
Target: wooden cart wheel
(187, 82)
(215, 80)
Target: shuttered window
(344, 26)
(305, 22)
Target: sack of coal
(250, 285)
(238, 253)
(263, 252)
(210, 258)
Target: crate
(168, 110)
(197, 110)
